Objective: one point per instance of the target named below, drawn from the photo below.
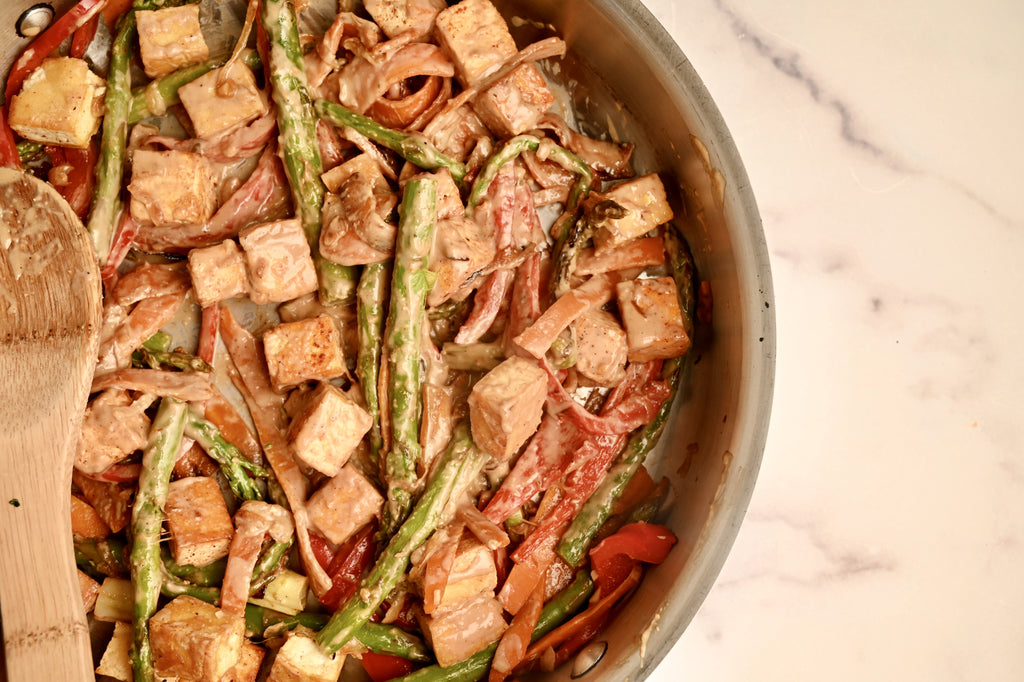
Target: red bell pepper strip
(208, 333)
(80, 164)
(347, 566)
(127, 228)
(82, 38)
(614, 557)
(8, 150)
(48, 41)
(384, 667)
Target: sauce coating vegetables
(356, 403)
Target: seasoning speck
(14, 502)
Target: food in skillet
(356, 401)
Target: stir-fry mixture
(357, 403)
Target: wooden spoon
(49, 326)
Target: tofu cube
(193, 640)
(652, 318)
(473, 572)
(171, 188)
(111, 430)
(461, 248)
(301, 659)
(449, 199)
(344, 504)
(515, 103)
(249, 660)
(304, 350)
(505, 406)
(476, 39)
(328, 429)
(278, 259)
(646, 208)
(116, 661)
(60, 103)
(398, 16)
(90, 589)
(458, 633)
(218, 272)
(198, 520)
(170, 38)
(601, 348)
(215, 110)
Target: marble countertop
(885, 538)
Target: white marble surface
(885, 538)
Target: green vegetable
(461, 459)
(410, 284)
(114, 139)
(411, 146)
(176, 360)
(233, 464)
(147, 521)
(371, 302)
(296, 124)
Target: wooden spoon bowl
(50, 310)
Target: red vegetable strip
(347, 567)
(8, 149)
(266, 405)
(82, 38)
(515, 641)
(124, 236)
(208, 333)
(48, 41)
(614, 556)
(383, 667)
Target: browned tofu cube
(398, 16)
(218, 272)
(171, 188)
(515, 103)
(601, 348)
(344, 504)
(475, 37)
(461, 248)
(90, 590)
(458, 633)
(301, 659)
(652, 318)
(646, 207)
(328, 429)
(60, 103)
(199, 522)
(304, 350)
(248, 667)
(473, 573)
(505, 406)
(170, 38)
(278, 259)
(111, 430)
(116, 661)
(193, 640)
(216, 110)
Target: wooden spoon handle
(44, 626)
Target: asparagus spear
(166, 88)
(461, 459)
(411, 146)
(516, 146)
(561, 607)
(147, 521)
(577, 538)
(376, 637)
(296, 123)
(233, 464)
(114, 139)
(410, 283)
(371, 303)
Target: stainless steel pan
(625, 74)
